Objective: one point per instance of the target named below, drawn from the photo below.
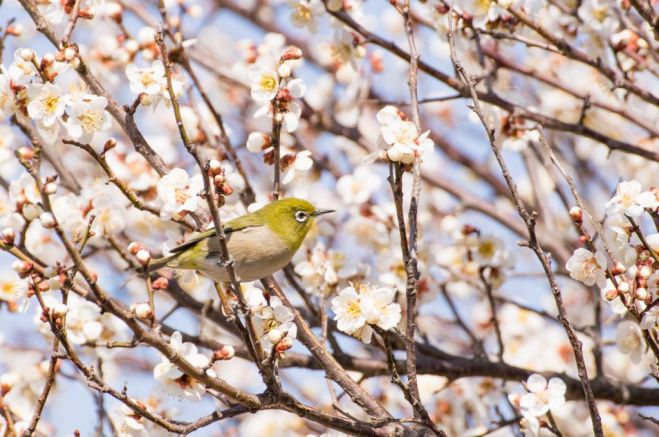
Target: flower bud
(69, 53)
(25, 153)
(15, 29)
(134, 247)
(109, 145)
(47, 60)
(59, 310)
(284, 69)
(114, 10)
(224, 353)
(47, 220)
(611, 294)
(160, 284)
(87, 13)
(576, 214)
(645, 272)
(623, 287)
(258, 141)
(50, 188)
(214, 167)
(334, 5)
(618, 269)
(131, 46)
(275, 335)
(21, 267)
(143, 256)
(641, 293)
(285, 344)
(291, 53)
(8, 236)
(27, 55)
(142, 310)
(30, 211)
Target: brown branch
(532, 243)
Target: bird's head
(291, 219)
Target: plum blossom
(322, 269)
(631, 200)
(543, 395)
(629, 340)
(588, 267)
(650, 318)
(46, 103)
(87, 115)
(83, 323)
(13, 288)
(174, 381)
(401, 137)
(264, 84)
(304, 13)
(356, 310)
(22, 69)
(179, 193)
(301, 164)
(274, 322)
(148, 80)
(6, 95)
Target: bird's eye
(301, 216)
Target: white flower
(543, 396)
(264, 84)
(345, 51)
(587, 267)
(54, 12)
(629, 200)
(356, 311)
(87, 115)
(6, 96)
(179, 193)
(379, 307)
(20, 70)
(402, 139)
(46, 103)
(358, 187)
(83, 323)
(488, 250)
(275, 322)
(296, 88)
(24, 188)
(300, 166)
(650, 318)
(321, 270)
(173, 380)
(304, 13)
(629, 340)
(599, 16)
(12, 288)
(146, 80)
(348, 311)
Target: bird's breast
(257, 252)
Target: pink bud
(134, 247)
(142, 310)
(27, 55)
(25, 153)
(285, 344)
(291, 53)
(224, 353)
(160, 284)
(576, 214)
(21, 267)
(47, 220)
(143, 256)
(8, 236)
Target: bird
(260, 243)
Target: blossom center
(267, 82)
(181, 195)
(50, 103)
(91, 120)
(353, 309)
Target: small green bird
(260, 243)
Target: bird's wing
(237, 224)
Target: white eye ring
(301, 216)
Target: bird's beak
(318, 212)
